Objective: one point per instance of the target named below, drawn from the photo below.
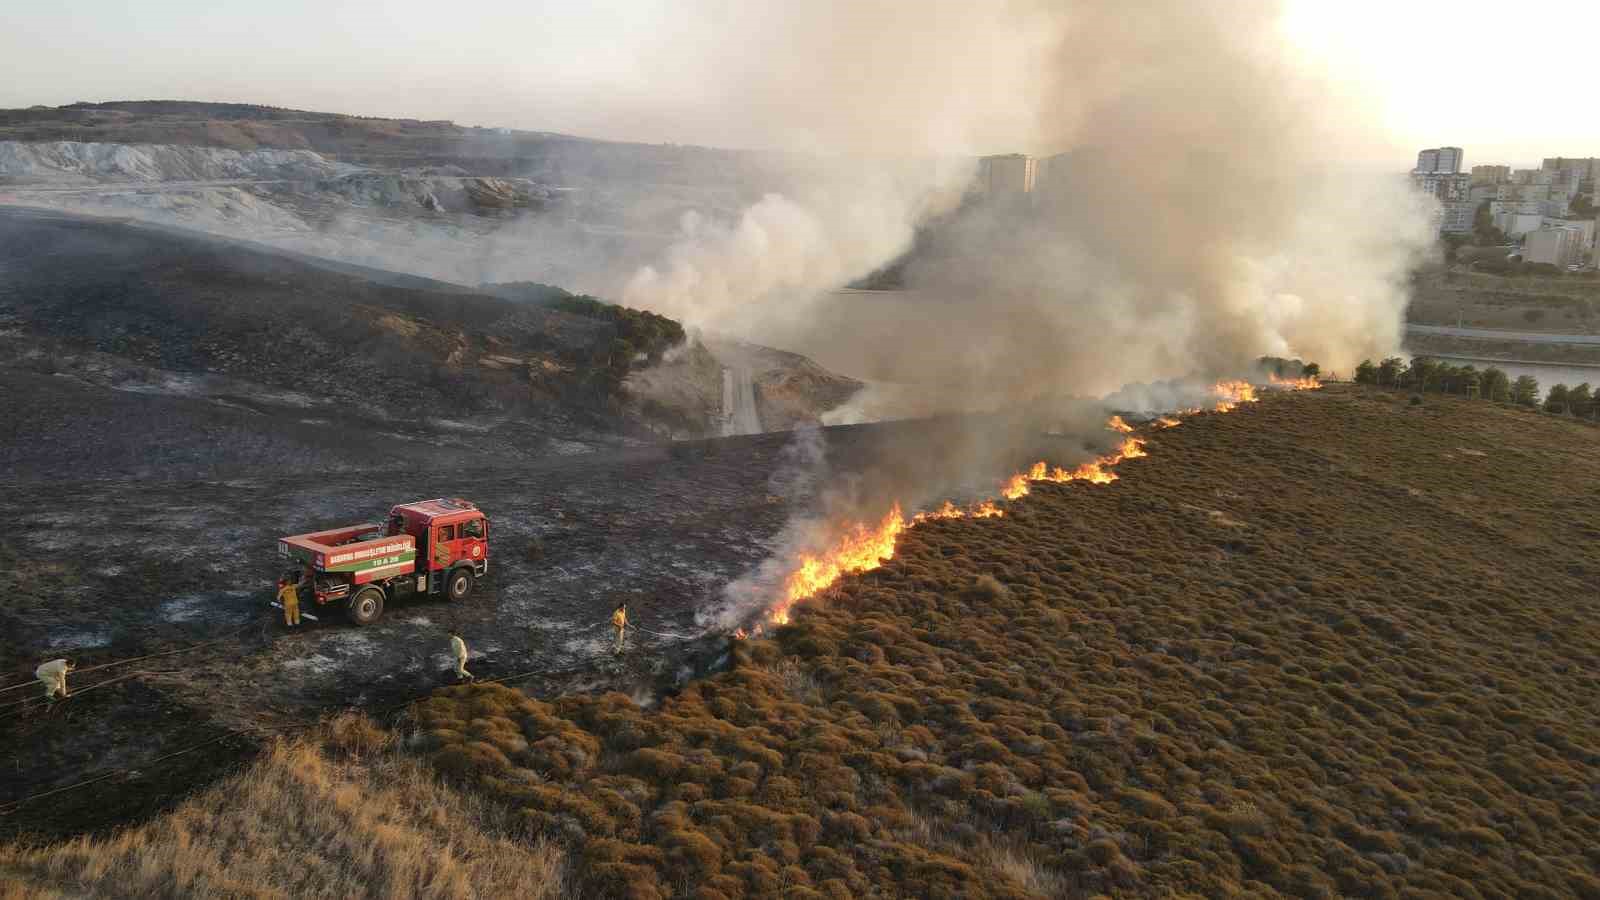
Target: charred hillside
(145, 308)
(123, 304)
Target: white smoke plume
(1194, 208)
(763, 270)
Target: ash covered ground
(104, 563)
(145, 478)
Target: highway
(1493, 334)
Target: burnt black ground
(139, 523)
(141, 498)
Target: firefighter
(289, 596)
(458, 649)
(619, 621)
(53, 675)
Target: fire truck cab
(429, 547)
(452, 539)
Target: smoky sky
(1192, 209)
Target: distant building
(1516, 224)
(1449, 187)
(1553, 191)
(1587, 168)
(1456, 217)
(1585, 229)
(1555, 246)
(1007, 175)
(1490, 174)
(1445, 160)
(1482, 192)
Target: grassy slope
(351, 819)
(1316, 646)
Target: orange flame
(1232, 393)
(1308, 383)
(984, 510)
(860, 549)
(947, 511)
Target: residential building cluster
(1532, 207)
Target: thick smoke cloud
(1192, 212)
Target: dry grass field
(344, 816)
(1330, 644)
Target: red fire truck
(361, 567)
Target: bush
(987, 587)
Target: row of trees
(1428, 374)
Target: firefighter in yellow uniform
(458, 649)
(289, 596)
(53, 675)
(619, 621)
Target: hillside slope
(1266, 659)
(149, 309)
(1330, 644)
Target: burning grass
(348, 818)
(1377, 681)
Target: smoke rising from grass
(1191, 214)
(1192, 211)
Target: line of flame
(1308, 383)
(862, 549)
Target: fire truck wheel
(460, 584)
(365, 607)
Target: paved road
(1491, 334)
(739, 415)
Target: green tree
(1389, 372)
(1555, 399)
(1484, 232)
(1310, 370)
(1495, 385)
(1450, 378)
(1472, 384)
(1525, 391)
(1580, 400)
(1422, 373)
(1366, 372)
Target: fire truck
(359, 568)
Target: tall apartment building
(1439, 160)
(1449, 187)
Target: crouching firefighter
(53, 675)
